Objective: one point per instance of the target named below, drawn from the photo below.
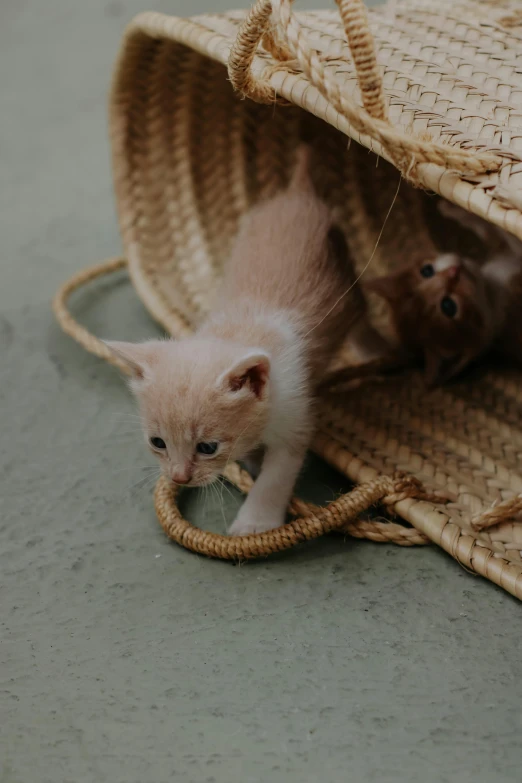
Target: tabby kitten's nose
(452, 272)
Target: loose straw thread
(507, 511)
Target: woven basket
(440, 109)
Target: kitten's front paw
(248, 522)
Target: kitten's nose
(182, 476)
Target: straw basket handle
(273, 22)
(257, 26)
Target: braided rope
(243, 51)
(340, 516)
(362, 46)
(71, 326)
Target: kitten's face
(203, 403)
(440, 309)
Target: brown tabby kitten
(452, 309)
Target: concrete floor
(125, 659)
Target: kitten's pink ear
(251, 371)
(139, 356)
(387, 286)
(439, 370)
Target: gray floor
(125, 659)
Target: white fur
(502, 268)
(446, 261)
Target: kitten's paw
(246, 523)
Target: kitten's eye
(448, 306)
(427, 270)
(207, 448)
(158, 443)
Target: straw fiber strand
(428, 91)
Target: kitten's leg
(265, 507)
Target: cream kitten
(244, 383)
(452, 309)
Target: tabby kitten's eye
(448, 306)
(207, 449)
(427, 270)
(158, 443)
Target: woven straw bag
(431, 94)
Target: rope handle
(257, 27)
(313, 521)
(274, 21)
(71, 326)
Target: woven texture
(433, 90)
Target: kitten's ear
(439, 369)
(251, 371)
(138, 356)
(389, 287)
(466, 219)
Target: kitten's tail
(301, 180)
